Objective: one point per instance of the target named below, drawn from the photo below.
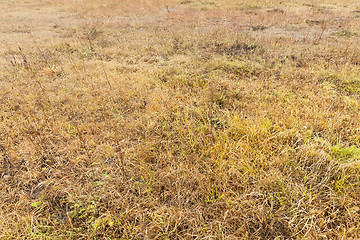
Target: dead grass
(200, 119)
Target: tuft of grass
(345, 154)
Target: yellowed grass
(180, 120)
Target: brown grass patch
(198, 119)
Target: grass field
(179, 119)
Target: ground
(176, 119)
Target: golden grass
(198, 119)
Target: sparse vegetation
(179, 120)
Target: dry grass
(180, 120)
